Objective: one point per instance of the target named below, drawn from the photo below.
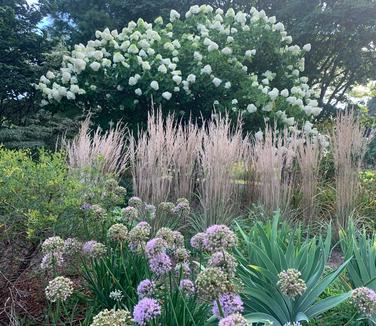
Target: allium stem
(220, 308)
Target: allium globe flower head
(167, 235)
(112, 317)
(130, 213)
(165, 207)
(181, 255)
(155, 246)
(290, 283)
(138, 236)
(94, 249)
(198, 241)
(234, 320)
(364, 299)
(145, 289)
(52, 260)
(224, 261)
(117, 233)
(211, 283)
(230, 303)
(160, 264)
(219, 237)
(146, 310)
(187, 286)
(59, 289)
(182, 207)
(116, 295)
(98, 211)
(135, 202)
(52, 244)
(72, 247)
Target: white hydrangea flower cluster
(210, 50)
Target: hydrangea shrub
(209, 59)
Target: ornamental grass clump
(113, 317)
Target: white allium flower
(176, 89)
(251, 108)
(159, 20)
(167, 95)
(226, 51)
(95, 66)
(132, 81)
(216, 81)
(177, 79)
(268, 107)
(59, 289)
(234, 101)
(138, 91)
(191, 78)
(219, 11)
(307, 47)
(230, 39)
(206, 70)
(290, 121)
(116, 295)
(106, 62)
(307, 127)
(154, 85)
(194, 9)
(227, 85)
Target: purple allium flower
(94, 249)
(52, 260)
(230, 304)
(146, 310)
(224, 261)
(160, 264)
(145, 289)
(219, 237)
(85, 207)
(156, 246)
(234, 320)
(198, 241)
(364, 299)
(187, 286)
